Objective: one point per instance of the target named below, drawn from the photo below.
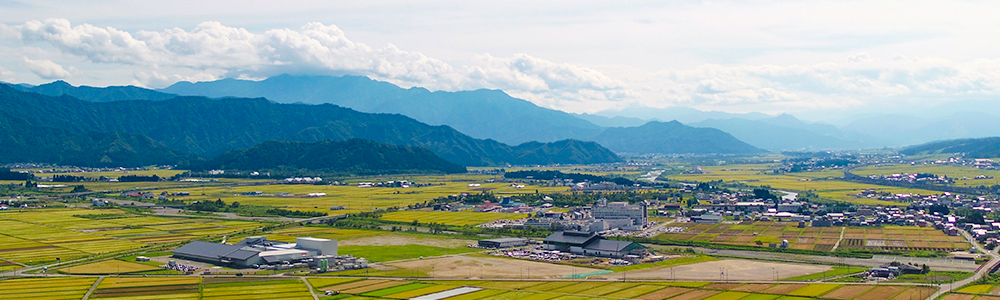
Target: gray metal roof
(206, 249)
(570, 237)
(609, 245)
(501, 240)
(242, 254)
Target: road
(983, 270)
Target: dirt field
(731, 269)
(399, 240)
(489, 267)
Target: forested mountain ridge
(974, 148)
(354, 156)
(208, 127)
(487, 114)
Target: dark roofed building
(566, 240)
(503, 243)
(587, 243)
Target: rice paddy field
(616, 290)
(449, 218)
(109, 267)
(981, 289)
(224, 288)
(353, 198)
(46, 288)
(822, 182)
(45, 235)
(954, 172)
(819, 238)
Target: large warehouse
(256, 251)
(588, 243)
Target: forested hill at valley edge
(208, 127)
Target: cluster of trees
(68, 178)
(7, 174)
(138, 178)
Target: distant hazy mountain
(354, 156)
(672, 137)
(96, 94)
(23, 143)
(900, 130)
(616, 121)
(785, 132)
(681, 114)
(482, 113)
(208, 127)
(976, 148)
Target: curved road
(983, 270)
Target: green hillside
(974, 148)
(209, 127)
(354, 156)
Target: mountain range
(785, 132)
(974, 148)
(672, 137)
(208, 127)
(481, 114)
(353, 156)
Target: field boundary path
(93, 287)
(982, 270)
(308, 285)
(837, 244)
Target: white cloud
(214, 50)
(47, 69)
(6, 75)
(860, 75)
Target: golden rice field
(357, 288)
(108, 267)
(353, 198)
(449, 218)
(37, 236)
(141, 288)
(276, 289)
(46, 288)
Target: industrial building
(256, 251)
(632, 217)
(588, 243)
(503, 243)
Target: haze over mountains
(490, 118)
(208, 127)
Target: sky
(816, 59)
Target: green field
(448, 218)
(391, 253)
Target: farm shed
(503, 243)
(586, 243)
